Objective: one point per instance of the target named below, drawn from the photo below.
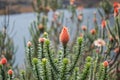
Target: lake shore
(25, 6)
(17, 10)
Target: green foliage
(81, 59)
(106, 6)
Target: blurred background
(20, 6)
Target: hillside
(19, 6)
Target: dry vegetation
(20, 6)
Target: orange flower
(64, 36)
(3, 61)
(116, 5)
(93, 31)
(10, 72)
(105, 63)
(103, 24)
(116, 12)
(84, 28)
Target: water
(22, 22)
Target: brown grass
(18, 9)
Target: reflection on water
(22, 22)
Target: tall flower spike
(64, 36)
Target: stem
(42, 51)
(117, 71)
(103, 33)
(109, 30)
(100, 72)
(95, 67)
(52, 75)
(45, 72)
(76, 60)
(51, 61)
(76, 75)
(30, 57)
(85, 73)
(118, 27)
(3, 74)
(63, 72)
(46, 1)
(23, 76)
(10, 77)
(91, 73)
(64, 48)
(113, 61)
(105, 74)
(36, 69)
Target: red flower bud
(103, 24)
(29, 44)
(116, 4)
(105, 63)
(93, 31)
(10, 72)
(84, 28)
(64, 36)
(3, 61)
(40, 26)
(41, 40)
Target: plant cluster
(91, 54)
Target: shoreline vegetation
(24, 6)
